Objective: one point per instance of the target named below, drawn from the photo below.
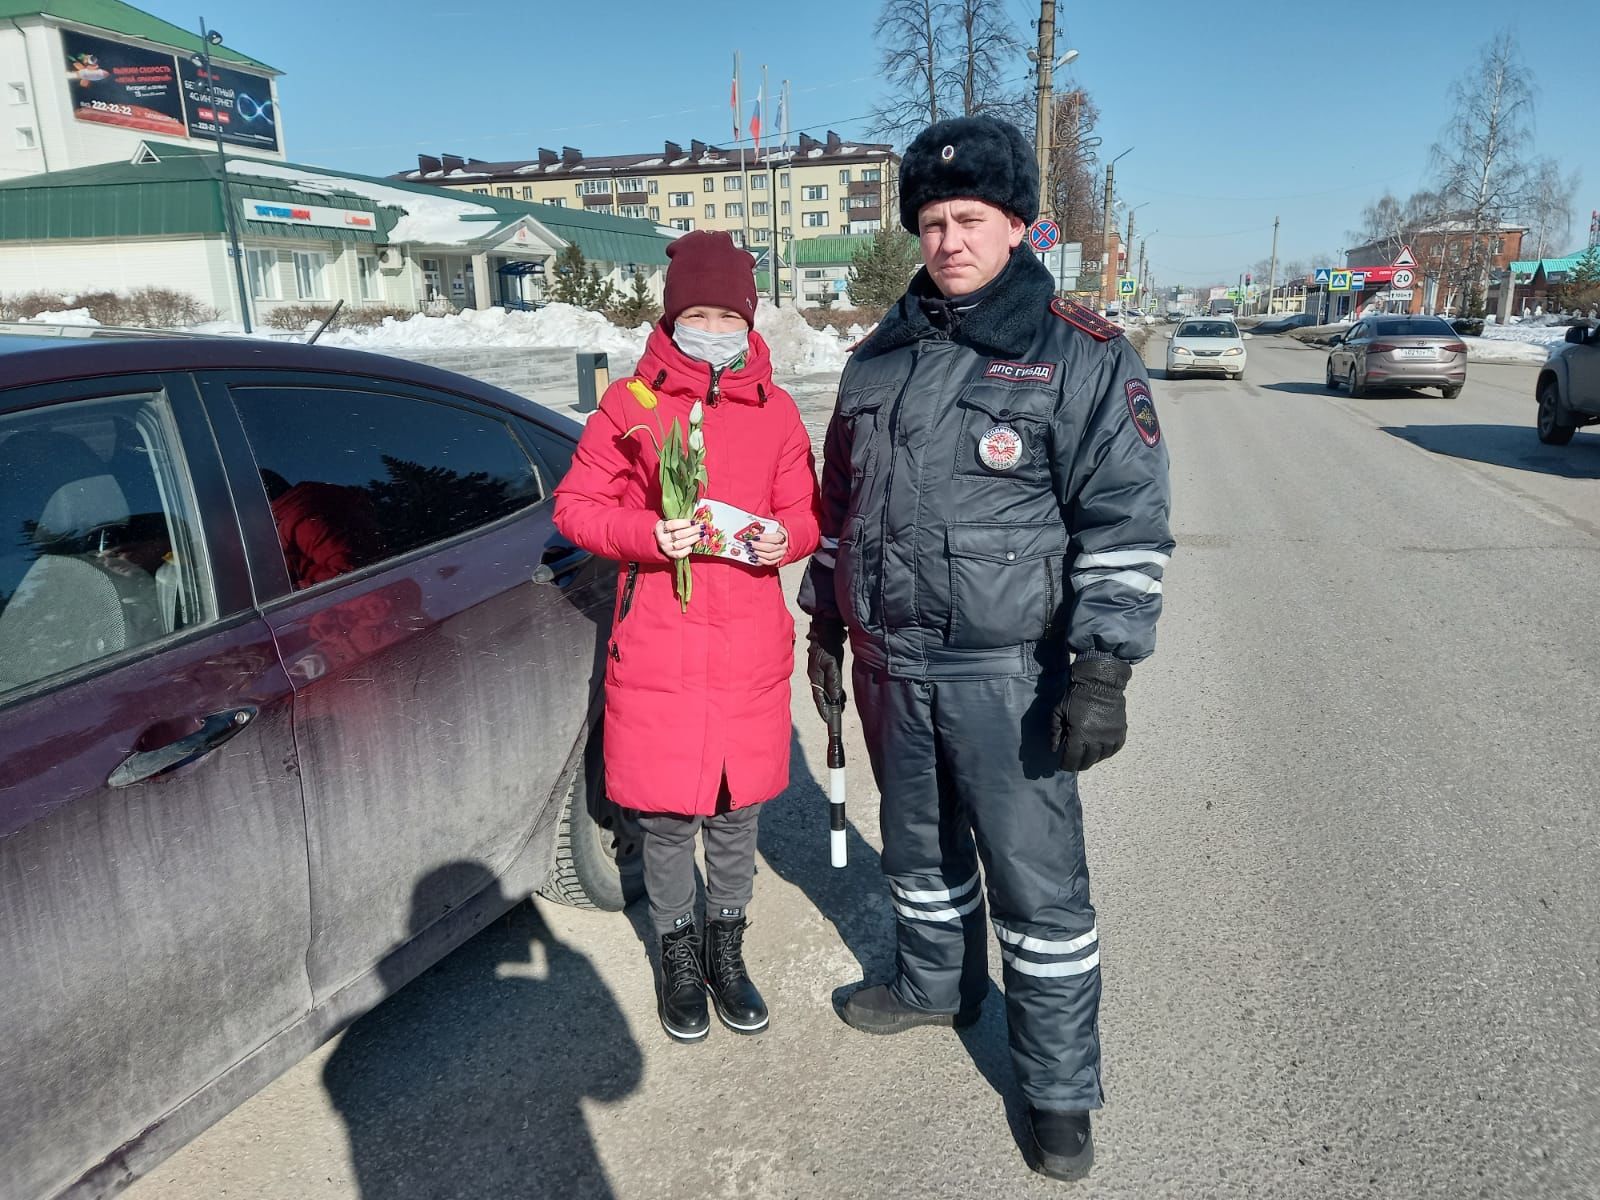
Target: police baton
(833, 708)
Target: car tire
(598, 844)
(1450, 393)
(1329, 381)
(1357, 389)
(1551, 431)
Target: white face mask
(715, 349)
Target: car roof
(30, 361)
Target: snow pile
(797, 348)
(432, 220)
(1511, 351)
(71, 316)
(554, 326)
(1535, 332)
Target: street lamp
(1106, 265)
(208, 39)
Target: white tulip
(697, 413)
(697, 441)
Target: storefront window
(309, 268)
(367, 269)
(262, 267)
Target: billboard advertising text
(111, 83)
(242, 106)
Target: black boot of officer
(683, 1010)
(1063, 1146)
(739, 1005)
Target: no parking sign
(1043, 235)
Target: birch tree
(912, 37)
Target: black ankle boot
(1063, 1145)
(739, 1005)
(683, 987)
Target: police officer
(994, 526)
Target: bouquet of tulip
(682, 459)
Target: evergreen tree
(570, 278)
(638, 306)
(1581, 291)
(880, 270)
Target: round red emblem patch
(1000, 448)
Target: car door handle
(560, 564)
(213, 731)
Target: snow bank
(432, 220)
(70, 316)
(1533, 332)
(797, 349)
(1488, 349)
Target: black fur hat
(969, 156)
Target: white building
(86, 81)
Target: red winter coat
(691, 697)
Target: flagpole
(761, 105)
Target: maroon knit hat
(707, 268)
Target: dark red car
(299, 687)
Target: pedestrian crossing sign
(1321, 279)
(1127, 286)
(1339, 281)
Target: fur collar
(1004, 322)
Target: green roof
(174, 192)
(831, 250)
(1527, 267)
(116, 17)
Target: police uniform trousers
(966, 773)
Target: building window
(262, 267)
(655, 213)
(844, 203)
(872, 175)
(814, 220)
(732, 183)
(577, 189)
(1499, 247)
(738, 236)
(761, 208)
(679, 199)
(685, 223)
(17, 92)
(783, 208)
(844, 175)
(783, 180)
(309, 267)
(863, 202)
(367, 277)
(557, 202)
(733, 210)
(711, 211)
(480, 191)
(631, 184)
(653, 188)
(595, 187)
(761, 235)
(758, 183)
(25, 139)
(814, 191)
(708, 184)
(631, 210)
(505, 192)
(527, 192)
(787, 232)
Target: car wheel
(1551, 431)
(598, 844)
(1450, 393)
(1356, 389)
(1330, 382)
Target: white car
(1207, 344)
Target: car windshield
(1208, 329)
(1413, 327)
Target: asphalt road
(1346, 873)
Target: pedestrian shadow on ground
(470, 1082)
(1514, 446)
(1298, 387)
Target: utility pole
(208, 39)
(1042, 119)
(1140, 275)
(1105, 229)
(1272, 269)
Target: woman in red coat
(697, 701)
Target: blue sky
(1236, 113)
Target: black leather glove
(1091, 721)
(825, 663)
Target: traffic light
(1247, 279)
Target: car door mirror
(1338, 340)
(1248, 336)
(1577, 334)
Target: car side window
(100, 549)
(356, 477)
(554, 450)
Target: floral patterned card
(729, 531)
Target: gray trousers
(730, 839)
(966, 774)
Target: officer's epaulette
(1086, 319)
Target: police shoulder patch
(1086, 319)
(1143, 411)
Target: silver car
(1398, 352)
(1569, 386)
(1207, 344)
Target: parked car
(1285, 323)
(1398, 352)
(1568, 388)
(287, 635)
(1207, 344)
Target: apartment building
(821, 188)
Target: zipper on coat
(627, 603)
(716, 387)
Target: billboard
(242, 105)
(111, 83)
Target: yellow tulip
(642, 393)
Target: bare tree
(1389, 224)
(1548, 208)
(1480, 159)
(912, 34)
(983, 47)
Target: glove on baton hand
(1091, 721)
(825, 664)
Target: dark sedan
(1284, 324)
(299, 687)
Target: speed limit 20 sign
(1402, 278)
